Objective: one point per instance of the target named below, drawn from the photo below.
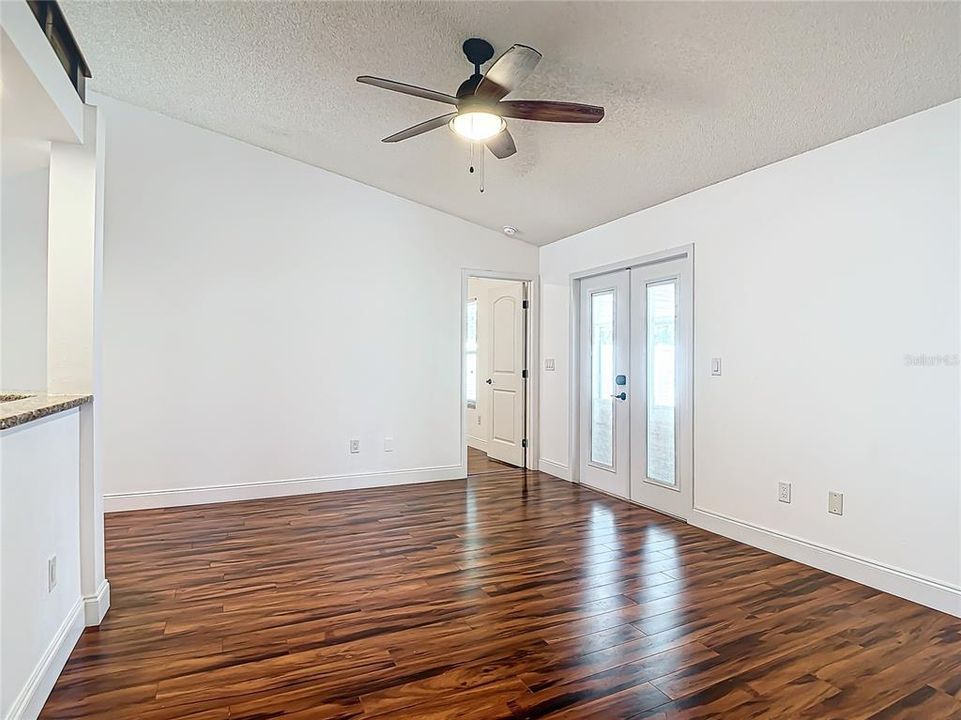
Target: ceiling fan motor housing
(468, 87)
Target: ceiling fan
(481, 109)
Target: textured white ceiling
(695, 92)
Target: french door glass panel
(602, 378)
(661, 332)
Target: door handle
(489, 381)
(620, 396)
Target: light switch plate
(549, 364)
(388, 444)
(354, 447)
(784, 492)
(835, 503)
(716, 367)
(51, 573)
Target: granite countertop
(17, 408)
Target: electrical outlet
(51, 573)
(784, 492)
(354, 447)
(388, 444)
(835, 503)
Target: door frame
(532, 353)
(684, 253)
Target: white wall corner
(922, 590)
(95, 606)
(31, 698)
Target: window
(470, 354)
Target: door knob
(620, 396)
(489, 381)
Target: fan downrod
(478, 52)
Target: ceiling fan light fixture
(476, 126)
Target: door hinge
(524, 374)
(525, 304)
(524, 443)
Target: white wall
(814, 278)
(259, 313)
(71, 252)
(40, 518)
(23, 262)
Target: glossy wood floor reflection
(480, 463)
(505, 596)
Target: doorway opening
(633, 408)
(496, 360)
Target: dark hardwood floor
(479, 463)
(505, 596)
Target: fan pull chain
(482, 153)
(472, 157)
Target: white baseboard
(29, 701)
(919, 589)
(556, 469)
(142, 500)
(477, 443)
(96, 606)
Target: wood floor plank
(509, 595)
(925, 703)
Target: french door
(635, 377)
(604, 361)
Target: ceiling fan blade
(507, 72)
(502, 144)
(550, 111)
(407, 89)
(420, 128)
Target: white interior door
(505, 379)
(604, 359)
(661, 403)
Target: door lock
(620, 396)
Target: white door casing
(505, 378)
(604, 358)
